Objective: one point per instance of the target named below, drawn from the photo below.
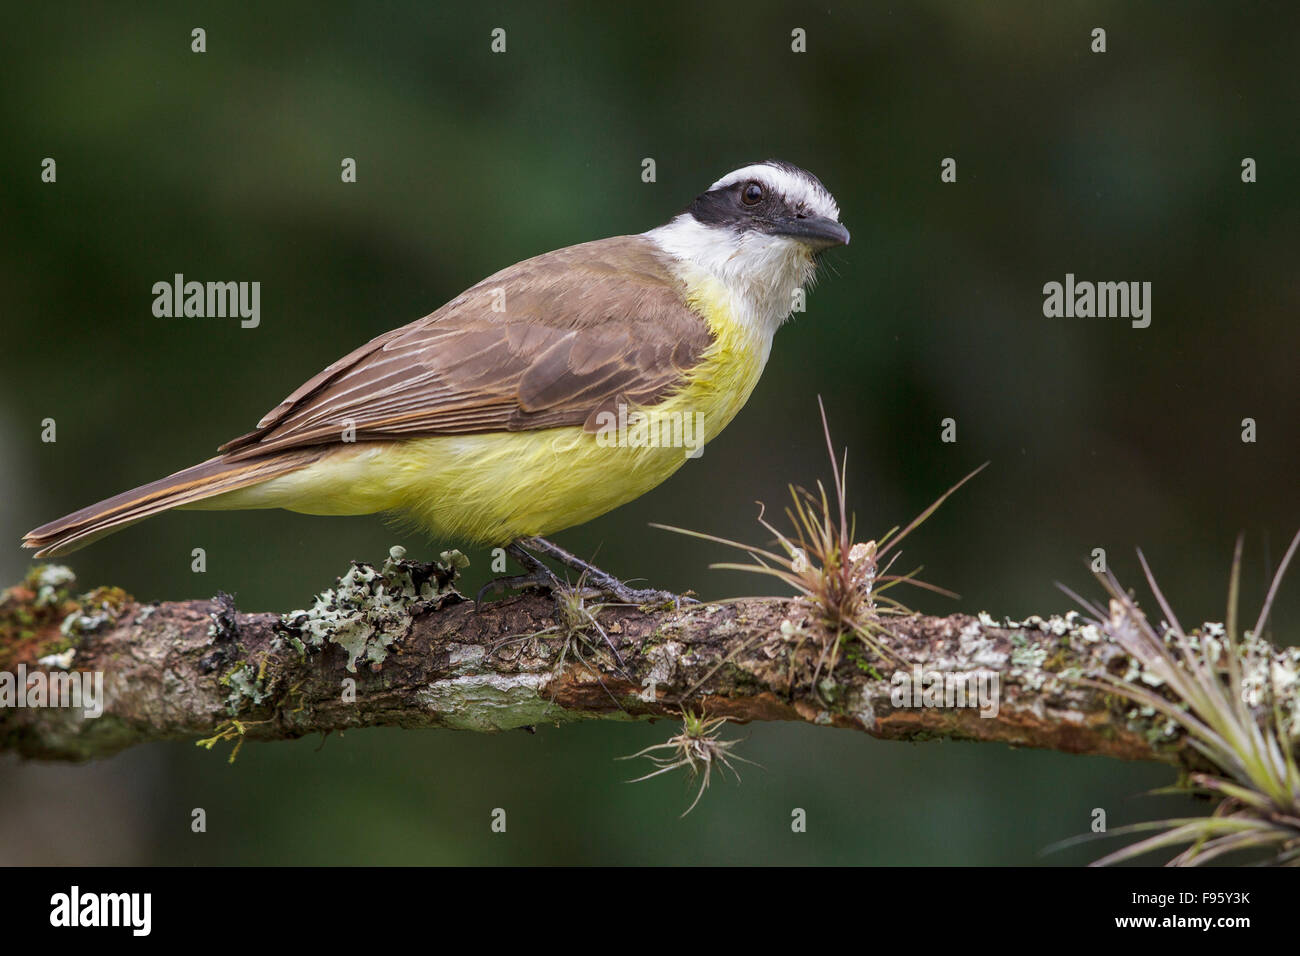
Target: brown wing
(574, 332)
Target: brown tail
(212, 477)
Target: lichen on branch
(399, 646)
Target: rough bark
(424, 656)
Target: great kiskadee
(486, 421)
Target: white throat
(759, 273)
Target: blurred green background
(225, 166)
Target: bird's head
(758, 231)
(773, 199)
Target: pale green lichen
(1091, 634)
(85, 621)
(491, 702)
(370, 609)
(52, 583)
(1031, 656)
(95, 610)
(246, 685)
(60, 660)
(979, 649)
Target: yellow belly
(495, 487)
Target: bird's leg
(600, 580)
(535, 574)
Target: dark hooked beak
(818, 232)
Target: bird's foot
(596, 580)
(536, 575)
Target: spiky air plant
(842, 581)
(1250, 736)
(698, 749)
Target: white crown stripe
(795, 188)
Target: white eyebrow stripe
(795, 188)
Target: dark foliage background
(1122, 166)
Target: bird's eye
(751, 194)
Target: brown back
(582, 328)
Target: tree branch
(423, 656)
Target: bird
(548, 394)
